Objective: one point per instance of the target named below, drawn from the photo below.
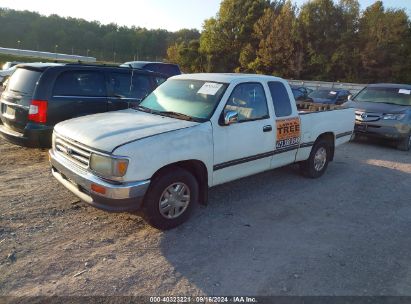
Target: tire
(171, 189)
(405, 144)
(354, 137)
(315, 167)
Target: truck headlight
(393, 116)
(107, 166)
(53, 141)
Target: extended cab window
(80, 83)
(249, 101)
(281, 100)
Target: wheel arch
(198, 169)
(329, 137)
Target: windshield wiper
(396, 104)
(386, 102)
(167, 113)
(177, 115)
(143, 109)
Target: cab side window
(281, 100)
(249, 101)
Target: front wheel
(317, 163)
(170, 198)
(405, 144)
(354, 137)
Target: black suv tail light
(38, 111)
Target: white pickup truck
(193, 132)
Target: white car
(4, 74)
(193, 132)
(10, 64)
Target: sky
(171, 15)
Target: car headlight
(393, 116)
(107, 166)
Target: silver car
(384, 110)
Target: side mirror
(230, 117)
(349, 97)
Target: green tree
(186, 35)
(319, 27)
(278, 51)
(187, 55)
(385, 44)
(346, 59)
(229, 32)
(72, 35)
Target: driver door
(244, 147)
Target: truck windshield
(396, 96)
(190, 98)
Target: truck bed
(310, 107)
(317, 119)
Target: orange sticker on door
(288, 132)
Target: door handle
(267, 128)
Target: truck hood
(375, 107)
(107, 131)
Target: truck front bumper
(117, 197)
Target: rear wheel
(317, 163)
(170, 198)
(405, 144)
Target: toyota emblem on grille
(364, 115)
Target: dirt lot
(276, 233)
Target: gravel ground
(275, 233)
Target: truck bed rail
(309, 107)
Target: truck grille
(73, 151)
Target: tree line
(321, 40)
(29, 30)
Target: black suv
(168, 69)
(38, 96)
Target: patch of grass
(4, 58)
